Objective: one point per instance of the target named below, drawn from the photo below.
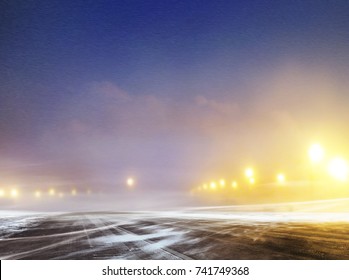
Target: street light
(316, 153)
(213, 185)
(338, 169)
(234, 184)
(14, 193)
(37, 194)
(249, 172)
(130, 182)
(281, 178)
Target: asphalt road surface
(208, 234)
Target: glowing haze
(169, 93)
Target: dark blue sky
(98, 89)
(149, 45)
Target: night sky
(170, 92)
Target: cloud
(224, 108)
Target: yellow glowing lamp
(37, 194)
(249, 172)
(2, 193)
(14, 193)
(338, 168)
(234, 184)
(316, 153)
(280, 178)
(222, 183)
(213, 185)
(252, 181)
(52, 192)
(130, 182)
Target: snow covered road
(187, 234)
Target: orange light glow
(234, 184)
(14, 193)
(249, 172)
(130, 182)
(37, 194)
(213, 185)
(316, 153)
(280, 178)
(338, 168)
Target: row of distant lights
(337, 167)
(52, 192)
(14, 193)
(249, 174)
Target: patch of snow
(16, 221)
(112, 238)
